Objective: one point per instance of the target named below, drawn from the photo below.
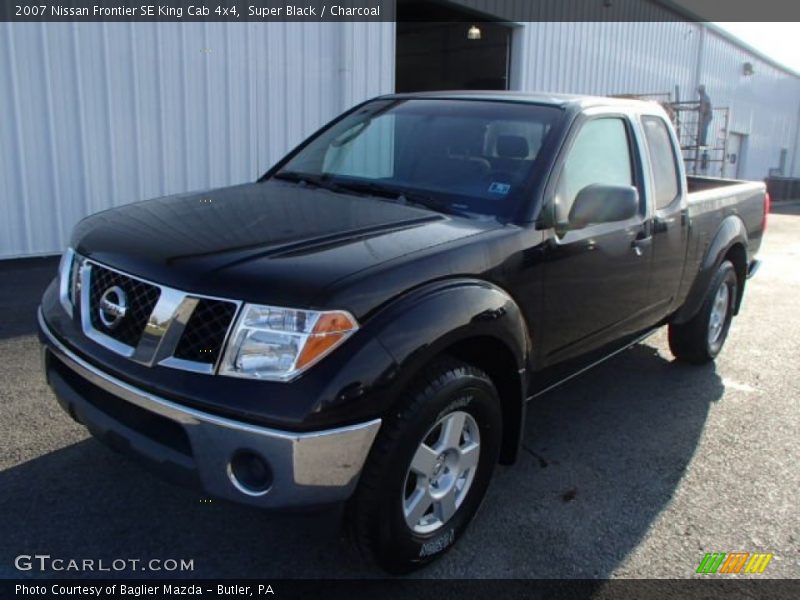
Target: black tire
(374, 516)
(689, 342)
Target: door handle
(662, 225)
(641, 241)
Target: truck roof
(563, 100)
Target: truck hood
(272, 242)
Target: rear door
(670, 221)
(734, 155)
(596, 278)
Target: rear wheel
(429, 469)
(700, 339)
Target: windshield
(451, 155)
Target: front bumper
(197, 448)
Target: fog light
(250, 473)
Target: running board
(638, 340)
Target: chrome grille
(142, 298)
(72, 280)
(161, 325)
(205, 333)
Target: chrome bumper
(306, 468)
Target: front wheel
(429, 469)
(700, 339)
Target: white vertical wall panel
(764, 106)
(95, 115)
(607, 57)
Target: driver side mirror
(599, 203)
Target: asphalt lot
(633, 470)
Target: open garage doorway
(455, 50)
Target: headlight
(68, 280)
(280, 343)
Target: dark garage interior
(470, 53)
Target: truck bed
(698, 183)
(712, 200)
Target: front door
(595, 277)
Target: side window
(662, 160)
(600, 154)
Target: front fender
(731, 231)
(423, 324)
(399, 340)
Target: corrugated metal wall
(648, 58)
(607, 58)
(764, 106)
(653, 56)
(98, 115)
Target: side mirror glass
(599, 203)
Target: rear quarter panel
(723, 213)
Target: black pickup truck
(367, 321)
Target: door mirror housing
(599, 203)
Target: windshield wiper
(392, 193)
(403, 196)
(320, 181)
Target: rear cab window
(663, 161)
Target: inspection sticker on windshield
(499, 188)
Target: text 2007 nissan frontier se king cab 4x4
(366, 322)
